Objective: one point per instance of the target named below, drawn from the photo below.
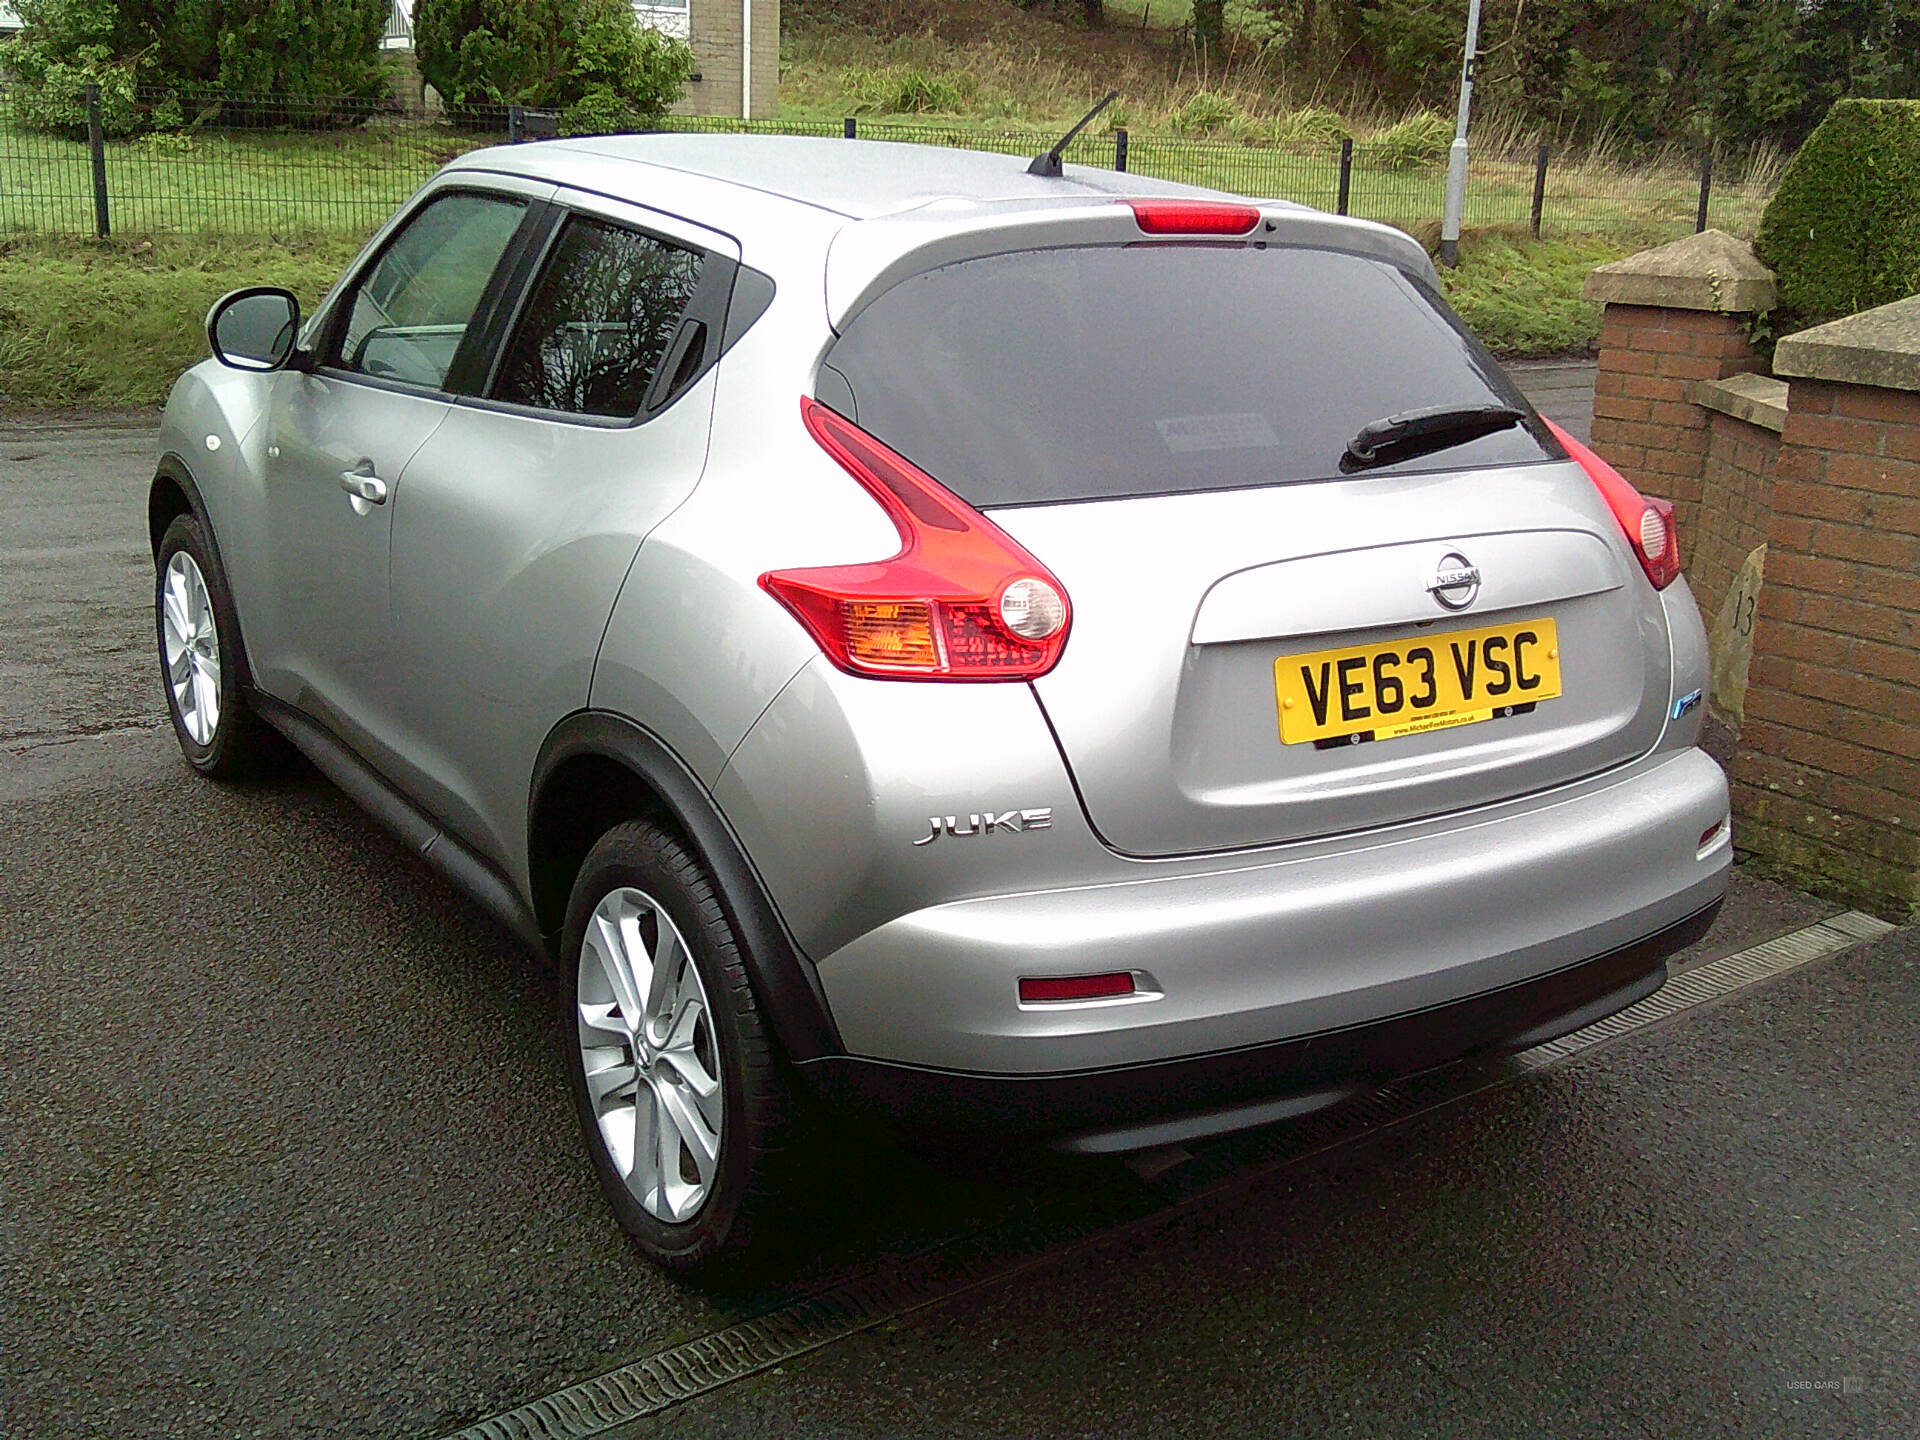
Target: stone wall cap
(1757, 399)
(1708, 271)
(1876, 347)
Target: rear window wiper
(1419, 432)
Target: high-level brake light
(1193, 217)
(961, 601)
(1646, 521)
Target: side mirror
(254, 329)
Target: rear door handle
(363, 486)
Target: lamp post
(1457, 152)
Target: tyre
(682, 1096)
(201, 667)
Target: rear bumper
(1128, 1107)
(1269, 948)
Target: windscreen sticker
(1185, 433)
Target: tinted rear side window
(599, 321)
(1095, 372)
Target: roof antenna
(1049, 163)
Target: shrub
(1206, 113)
(301, 49)
(907, 90)
(1313, 128)
(1842, 233)
(50, 93)
(1418, 140)
(589, 58)
(67, 45)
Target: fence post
(1539, 187)
(1346, 175)
(1120, 148)
(1706, 188)
(851, 128)
(97, 148)
(513, 124)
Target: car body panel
(1165, 701)
(871, 257)
(695, 649)
(328, 644)
(513, 532)
(1288, 945)
(512, 535)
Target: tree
(590, 58)
(141, 51)
(66, 45)
(1210, 24)
(294, 49)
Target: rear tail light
(1646, 522)
(961, 601)
(1193, 217)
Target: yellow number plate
(1410, 686)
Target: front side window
(599, 322)
(412, 309)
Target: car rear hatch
(1271, 639)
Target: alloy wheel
(192, 648)
(649, 1054)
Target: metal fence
(216, 163)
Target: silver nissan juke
(1059, 656)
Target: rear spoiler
(869, 257)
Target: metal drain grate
(698, 1367)
(1713, 980)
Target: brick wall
(1827, 775)
(1735, 504)
(1644, 423)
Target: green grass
(86, 323)
(1522, 296)
(226, 182)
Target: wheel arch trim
(783, 979)
(172, 470)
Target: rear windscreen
(1086, 373)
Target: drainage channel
(697, 1367)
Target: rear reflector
(1040, 988)
(1646, 522)
(961, 601)
(1193, 217)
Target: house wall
(716, 31)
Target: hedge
(1842, 233)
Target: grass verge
(1522, 296)
(85, 322)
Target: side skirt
(477, 878)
